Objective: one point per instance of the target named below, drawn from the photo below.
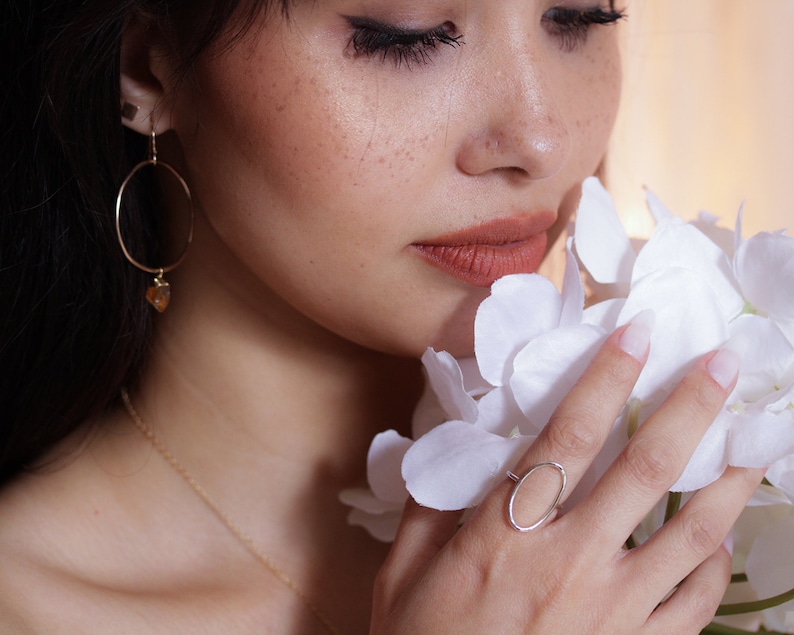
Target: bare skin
(292, 339)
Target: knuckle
(703, 533)
(576, 437)
(703, 604)
(651, 462)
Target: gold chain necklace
(232, 526)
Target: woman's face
(371, 166)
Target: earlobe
(141, 104)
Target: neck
(290, 400)
(247, 399)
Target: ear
(142, 94)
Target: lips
(482, 254)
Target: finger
(695, 532)
(660, 450)
(693, 605)
(580, 425)
(423, 532)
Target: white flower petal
(604, 314)
(455, 465)
(760, 439)
(689, 323)
(683, 246)
(383, 466)
(572, 291)
(781, 475)
(720, 236)
(601, 242)
(499, 413)
(473, 381)
(766, 354)
(364, 500)
(737, 233)
(428, 413)
(709, 459)
(548, 367)
(751, 522)
(781, 401)
(382, 527)
(765, 268)
(661, 214)
(520, 307)
(767, 495)
(787, 327)
(446, 379)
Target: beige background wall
(707, 118)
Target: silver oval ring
(519, 480)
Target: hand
(573, 574)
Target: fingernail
(724, 367)
(728, 542)
(636, 339)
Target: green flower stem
(673, 505)
(633, 414)
(752, 607)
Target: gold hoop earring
(159, 293)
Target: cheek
(597, 99)
(316, 191)
(315, 184)
(325, 152)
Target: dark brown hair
(73, 328)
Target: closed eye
(572, 26)
(401, 46)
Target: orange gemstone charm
(159, 294)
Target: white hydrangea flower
(707, 289)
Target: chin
(456, 336)
(459, 345)
(439, 319)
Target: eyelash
(371, 38)
(572, 26)
(401, 46)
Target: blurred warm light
(707, 119)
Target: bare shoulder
(71, 541)
(87, 548)
(48, 533)
(33, 579)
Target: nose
(517, 125)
